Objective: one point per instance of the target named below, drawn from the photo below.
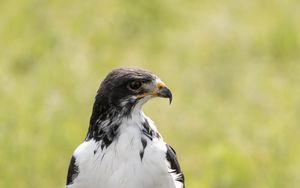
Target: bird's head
(126, 89)
(130, 88)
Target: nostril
(160, 87)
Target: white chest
(122, 165)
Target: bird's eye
(135, 85)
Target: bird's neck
(109, 126)
(107, 118)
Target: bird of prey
(123, 148)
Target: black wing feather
(172, 159)
(73, 171)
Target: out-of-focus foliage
(233, 67)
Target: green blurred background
(233, 67)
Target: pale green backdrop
(233, 67)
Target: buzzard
(123, 148)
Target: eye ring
(135, 85)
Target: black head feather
(115, 86)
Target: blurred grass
(233, 68)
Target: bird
(123, 148)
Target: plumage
(123, 148)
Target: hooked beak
(165, 93)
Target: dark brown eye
(135, 85)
